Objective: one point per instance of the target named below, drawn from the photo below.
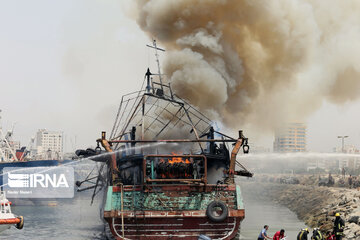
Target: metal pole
(158, 63)
(122, 210)
(157, 60)
(143, 118)
(171, 140)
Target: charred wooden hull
(174, 212)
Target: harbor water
(260, 212)
(77, 220)
(66, 219)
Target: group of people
(303, 234)
(336, 234)
(277, 236)
(353, 182)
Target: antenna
(157, 59)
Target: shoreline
(314, 205)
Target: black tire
(210, 211)
(20, 225)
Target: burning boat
(168, 173)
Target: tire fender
(20, 225)
(210, 211)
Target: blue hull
(36, 163)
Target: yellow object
(52, 204)
(337, 214)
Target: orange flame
(178, 159)
(173, 160)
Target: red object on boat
(10, 221)
(20, 155)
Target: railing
(4, 204)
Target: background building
(351, 162)
(291, 137)
(49, 144)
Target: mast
(148, 87)
(154, 46)
(143, 118)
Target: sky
(64, 66)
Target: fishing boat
(7, 218)
(167, 173)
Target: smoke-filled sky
(251, 64)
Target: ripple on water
(70, 218)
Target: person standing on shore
(339, 226)
(303, 234)
(263, 235)
(350, 181)
(330, 180)
(355, 181)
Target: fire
(175, 167)
(178, 159)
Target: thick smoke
(258, 62)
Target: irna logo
(39, 182)
(35, 180)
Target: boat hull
(34, 163)
(149, 222)
(174, 228)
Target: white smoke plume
(258, 62)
